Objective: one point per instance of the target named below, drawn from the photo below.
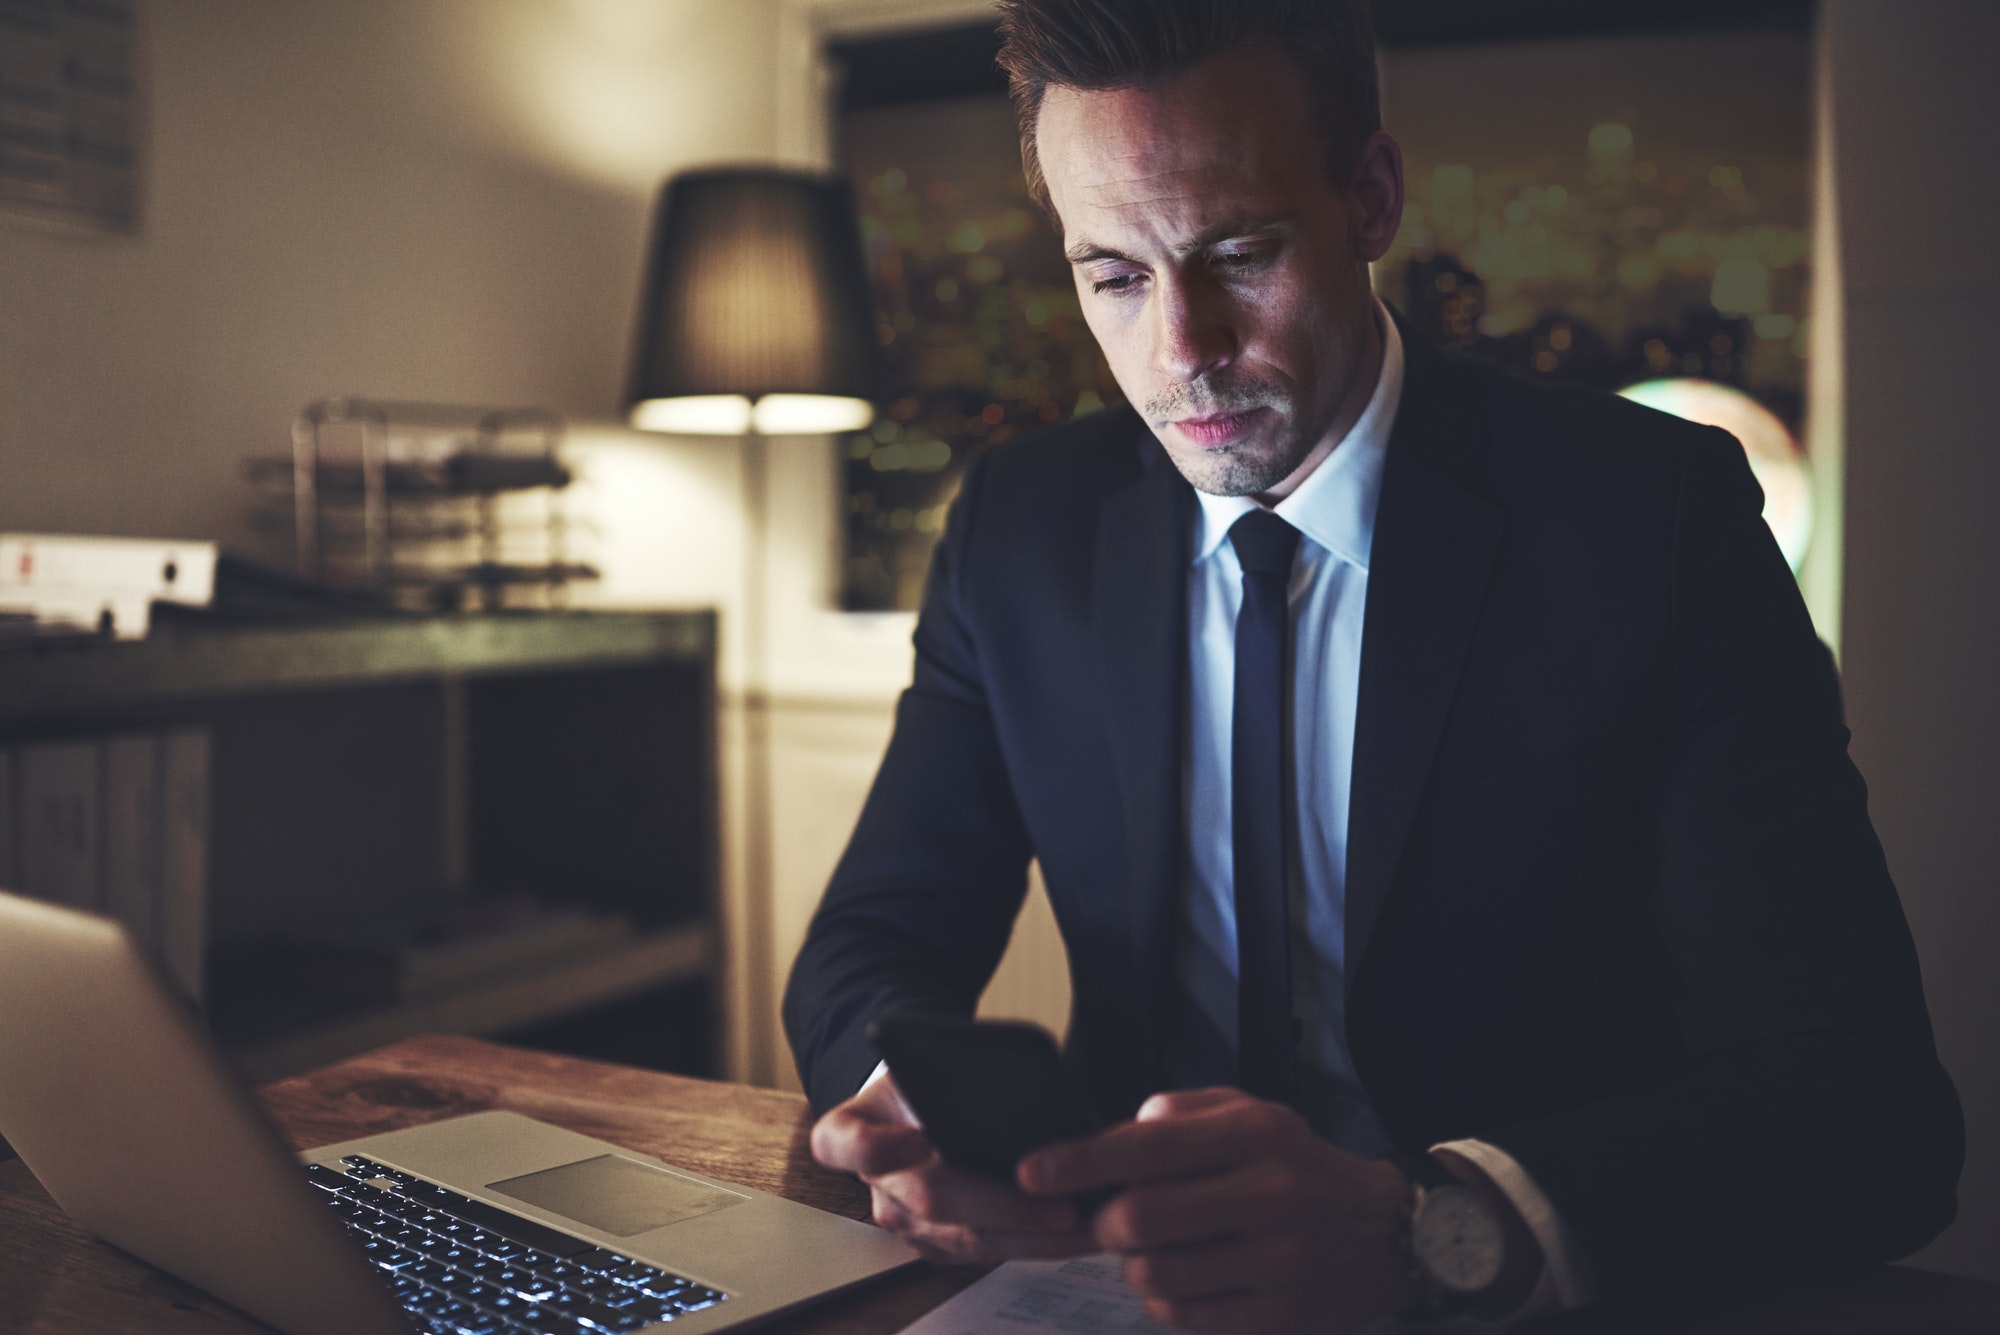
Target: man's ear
(1376, 195)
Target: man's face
(1221, 269)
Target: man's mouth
(1216, 428)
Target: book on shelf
(181, 925)
(116, 823)
(131, 825)
(61, 786)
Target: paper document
(1086, 1296)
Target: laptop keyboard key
(395, 1258)
(432, 1303)
(456, 1313)
(325, 1178)
(609, 1319)
(524, 1282)
(505, 1303)
(542, 1321)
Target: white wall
(362, 196)
(1915, 100)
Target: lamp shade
(756, 308)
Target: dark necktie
(1259, 792)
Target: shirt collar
(1335, 505)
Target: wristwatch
(1457, 1248)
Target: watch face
(1456, 1240)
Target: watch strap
(1424, 1170)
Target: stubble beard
(1244, 468)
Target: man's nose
(1195, 337)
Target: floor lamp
(755, 321)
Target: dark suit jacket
(1614, 901)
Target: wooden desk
(55, 1278)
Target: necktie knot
(1265, 544)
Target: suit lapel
(1140, 619)
(1436, 537)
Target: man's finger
(854, 1140)
(938, 1193)
(1192, 1210)
(1210, 1140)
(1169, 1103)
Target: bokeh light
(1776, 460)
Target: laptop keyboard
(462, 1267)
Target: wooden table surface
(55, 1278)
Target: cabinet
(369, 769)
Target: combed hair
(1103, 44)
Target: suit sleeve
(1812, 1128)
(922, 904)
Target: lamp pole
(758, 912)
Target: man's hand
(946, 1213)
(1237, 1218)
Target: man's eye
(1117, 283)
(1240, 259)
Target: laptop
(488, 1224)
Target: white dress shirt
(1334, 511)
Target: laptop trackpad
(616, 1195)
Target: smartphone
(986, 1091)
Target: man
(1435, 777)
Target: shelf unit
(365, 766)
(564, 988)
